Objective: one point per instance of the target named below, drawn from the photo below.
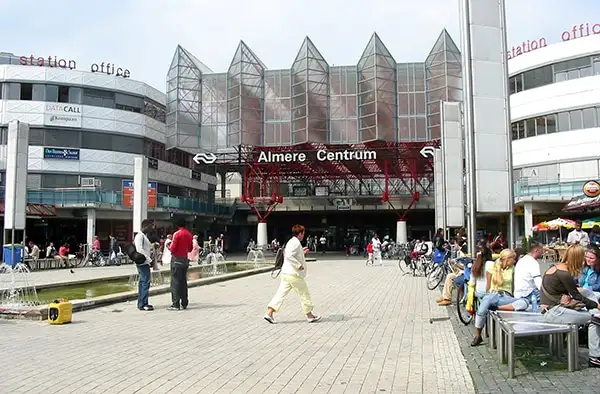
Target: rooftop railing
(549, 188)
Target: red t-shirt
(63, 251)
(182, 243)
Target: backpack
(278, 262)
(133, 254)
(369, 248)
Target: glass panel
(36, 137)
(597, 66)
(530, 128)
(519, 83)
(576, 120)
(551, 123)
(521, 130)
(589, 118)
(540, 125)
(52, 93)
(64, 138)
(13, 91)
(75, 95)
(563, 121)
(560, 76)
(585, 72)
(572, 74)
(515, 130)
(38, 92)
(538, 77)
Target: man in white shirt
(578, 236)
(143, 247)
(293, 273)
(527, 277)
(376, 250)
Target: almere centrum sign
(321, 155)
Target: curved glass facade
(376, 99)
(584, 118)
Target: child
(369, 253)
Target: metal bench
(508, 326)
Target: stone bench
(505, 327)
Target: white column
(401, 232)
(261, 234)
(91, 226)
(17, 155)
(140, 192)
(528, 216)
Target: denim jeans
(534, 301)
(562, 315)
(143, 285)
(589, 294)
(494, 300)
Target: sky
(141, 35)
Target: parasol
(543, 226)
(590, 223)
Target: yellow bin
(60, 312)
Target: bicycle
(439, 272)
(462, 294)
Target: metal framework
(399, 170)
(41, 210)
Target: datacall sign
(591, 189)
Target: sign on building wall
(64, 115)
(61, 153)
(127, 191)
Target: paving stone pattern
(376, 336)
(552, 378)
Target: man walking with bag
(143, 246)
(180, 247)
(293, 273)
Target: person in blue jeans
(499, 288)
(143, 247)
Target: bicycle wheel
(435, 277)
(405, 264)
(461, 304)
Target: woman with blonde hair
(499, 292)
(562, 303)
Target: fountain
(156, 279)
(256, 257)
(17, 291)
(215, 265)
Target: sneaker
(270, 319)
(314, 319)
(477, 341)
(445, 303)
(147, 308)
(173, 308)
(439, 299)
(594, 362)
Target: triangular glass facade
(377, 92)
(245, 98)
(376, 99)
(444, 80)
(310, 95)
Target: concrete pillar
(140, 192)
(401, 232)
(15, 198)
(261, 234)
(91, 226)
(528, 217)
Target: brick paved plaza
(375, 336)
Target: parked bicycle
(439, 271)
(462, 293)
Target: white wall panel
(438, 179)
(453, 164)
(81, 78)
(555, 53)
(558, 97)
(571, 145)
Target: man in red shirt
(180, 247)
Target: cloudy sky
(141, 35)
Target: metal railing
(83, 196)
(550, 188)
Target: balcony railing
(549, 188)
(81, 196)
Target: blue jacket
(594, 281)
(595, 239)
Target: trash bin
(12, 254)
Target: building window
(596, 62)
(576, 121)
(26, 92)
(52, 93)
(38, 92)
(13, 91)
(63, 94)
(98, 98)
(537, 77)
(551, 123)
(563, 121)
(589, 118)
(530, 128)
(75, 95)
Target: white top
(166, 255)
(580, 237)
(142, 245)
(481, 282)
(527, 276)
(293, 259)
(376, 245)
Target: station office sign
(61, 153)
(64, 115)
(320, 155)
